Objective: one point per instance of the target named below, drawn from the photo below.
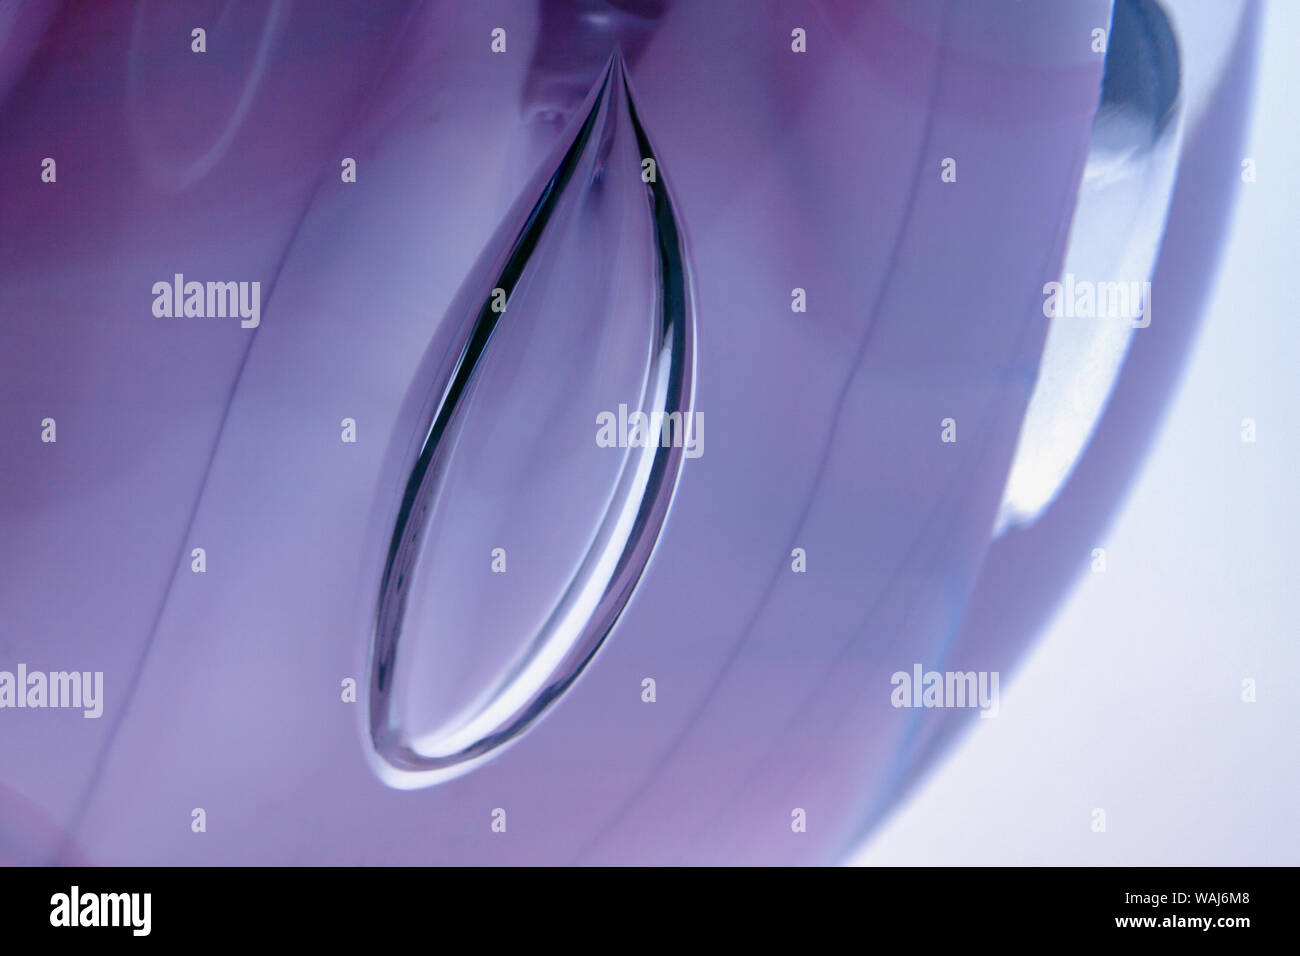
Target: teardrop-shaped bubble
(522, 531)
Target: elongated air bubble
(1114, 241)
(171, 160)
(520, 537)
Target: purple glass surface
(520, 684)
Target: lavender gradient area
(817, 171)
